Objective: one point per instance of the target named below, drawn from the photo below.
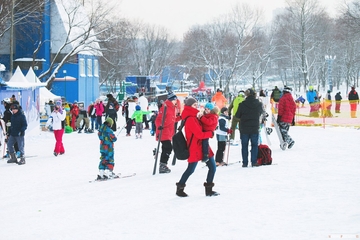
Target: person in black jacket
(16, 134)
(354, 101)
(249, 113)
(338, 99)
(7, 119)
(111, 109)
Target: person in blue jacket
(310, 97)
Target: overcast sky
(179, 15)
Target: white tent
(33, 79)
(45, 94)
(18, 80)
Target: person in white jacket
(144, 104)
(57, 120)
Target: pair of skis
(117, 176)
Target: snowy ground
(311, 192)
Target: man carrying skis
(167, 129)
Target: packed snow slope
(310, 192)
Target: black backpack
(181, 149)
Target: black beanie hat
(190, 101)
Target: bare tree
(116, 53)
(151, 47)
(78, 34)
(221, 47)
(348, 26)
(298, 39)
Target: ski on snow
(117, 176)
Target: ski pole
(121, 129)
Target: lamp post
(330, 59)
(64, 71)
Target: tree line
(234, 49)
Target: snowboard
(283, 144)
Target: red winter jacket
(193, 129)
(286, 108)
(75, 110)
(169, 123)
(209, 121)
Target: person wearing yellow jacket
(233, 107)
(66, 106)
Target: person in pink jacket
(99, 109)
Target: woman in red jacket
(193, 131)
(286, 114)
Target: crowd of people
(218, 118)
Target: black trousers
(145, 121)
(220, 151)
(166, 149)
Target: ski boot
(6, 155)
(163, 168)
(291, 144)
(101, 176)
(22, 161)
(110, 174)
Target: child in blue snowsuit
(107, 139)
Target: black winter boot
(208, 189)
(180, 190)
(13, 158)
(22, 161)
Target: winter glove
(229, 117)
(229, 131)
(293, 122)
(212, 134)
(160, 127)
(21, 134)
(278, 119)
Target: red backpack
(264, 155)
(116, 105)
